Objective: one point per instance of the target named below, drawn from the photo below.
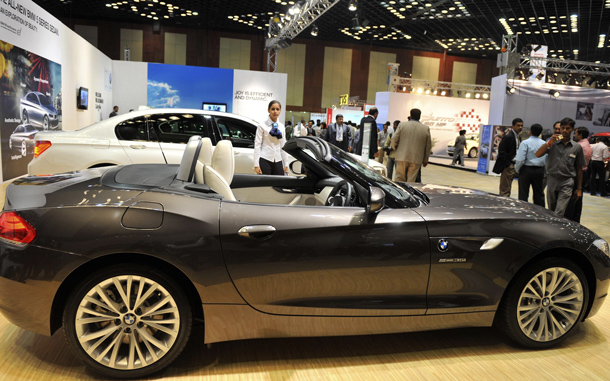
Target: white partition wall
(42, 55)
(444, 115)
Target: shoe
(462, 165)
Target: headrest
(189, 159)
(223, 161)
(205, 154)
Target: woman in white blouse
(269, 157)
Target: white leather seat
(219, 174)
(205, 158)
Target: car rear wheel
(127, 321)
(473, 153)
(545, 303)
(25, 117)
(24, 148)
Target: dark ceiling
(571, 29)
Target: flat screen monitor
(210, 106)
(82, 100)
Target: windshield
(368, 174)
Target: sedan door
(135, 139)
(326, 261)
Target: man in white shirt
(599, 154)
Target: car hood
(478, 213)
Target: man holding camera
(563, 165)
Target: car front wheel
(24, 148)
(25, 117)
(127, 321)
(473, 153)
(545, 303)
(45, 122)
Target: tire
(525, 313)
(24, 117)
(123, 341)
(473, 153)
(45, 122)
(24, 148)
(10, 143)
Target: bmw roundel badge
(443, 245)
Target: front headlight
(603, 246)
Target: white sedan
(146, 136)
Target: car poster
(31, 101)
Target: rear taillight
(41, 146)
(15, 229)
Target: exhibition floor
(476, 353)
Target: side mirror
(375, 203)
(297, 168)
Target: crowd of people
(564, 163)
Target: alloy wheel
(127, 322)
(550, 304)
(24, 148)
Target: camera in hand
(275, 131)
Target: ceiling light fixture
(314, 30)
(353, 5)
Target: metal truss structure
(283, 30)
(565, 66)
(420, 86)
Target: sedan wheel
(545, 303)
(45, 122)
(24, 148)
(473, 153)
(25, 117)
(127, 323)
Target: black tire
(119, 337)
(45, 122)
(473, 153)
(536, 312)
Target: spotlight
(529, 73)
(420, 90)
(477, 95)
(404, 88)
(467, 95)
(602, 82)
(510, 89)
(579, 80)
(450, 93)
(427, 91)
(314, 30)
(540, 75)
(485, 96)
(554, 93)
(459, 93)
(590, 81)
(353, 5)
(566, 78)
(537, 48)
(443, 93)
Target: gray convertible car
(127, 259)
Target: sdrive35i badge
(443, 245)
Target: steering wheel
(335, 198)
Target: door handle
(137, 146)
(256, 231)
(235, 153)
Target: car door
(326, 261)
(173, 130)
(134, 137)
(34, 111)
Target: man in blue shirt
(531, 168)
